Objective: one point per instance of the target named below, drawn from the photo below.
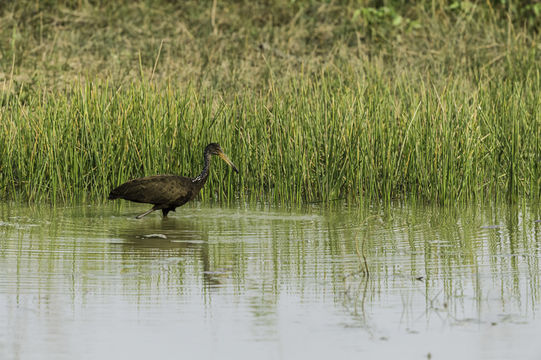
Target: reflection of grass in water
(444, 257)
(454, 260)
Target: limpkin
(167, 192)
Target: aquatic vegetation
(322, 138)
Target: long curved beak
(226, 159)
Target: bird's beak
(226, 159)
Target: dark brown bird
(167, 192)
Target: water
(255, 282)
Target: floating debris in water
(219, 272)
(159, 236)
(491, 227)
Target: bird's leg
(145, 213)
(165, 211)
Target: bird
(167, 192)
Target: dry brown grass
(245, 45)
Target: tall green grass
(314, 101)
(357, 135)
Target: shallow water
(255, 282)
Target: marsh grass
(320, 139)
(434, 103)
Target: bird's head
(215, 149)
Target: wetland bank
(399, 139)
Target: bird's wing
(157, 189)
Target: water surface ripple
(245, 282)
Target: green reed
(354, 135)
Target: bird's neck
(202, 178)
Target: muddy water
(256, 282)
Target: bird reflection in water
(176, 241)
